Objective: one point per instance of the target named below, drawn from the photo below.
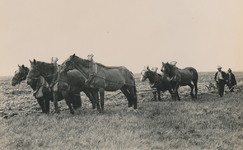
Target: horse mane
(44, 67)
(82, 61)
(26, 69)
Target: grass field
(210, 122)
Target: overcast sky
(131, 33)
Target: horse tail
(135, 99)
(195, 80)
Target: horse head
(68, 64)
(146, 73)
(167, 69)
(20, 75)
(34, 74)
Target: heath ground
(210, 122)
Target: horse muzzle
(13, 82)
(29, 81)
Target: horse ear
(22, 66)
(163, 63)
(148, 68)
(30, 61)
(18, 66)
(34, 62)
(72, 56)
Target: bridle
(74, 66)
(20, 76)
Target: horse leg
(78, 101)
(73, 100)
(196, 89)
(191, 86)
(158, 91)
(46, 105)
(172, 94)
(90, 95)
(135, 98)
(133, 95)
(154, 98)
(41, 103)
(55, 97)
(177, 95)
(96, 97)
(68, 99)
(126, 93)
(102, 96)
(176, 91)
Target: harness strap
(156, 83)
(41, 85)
(93, 70)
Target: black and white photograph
(121, 75)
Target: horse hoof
(129, 109)
(135, 110)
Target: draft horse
(157, 81)
(49, 73)
(103, 78)
(181, 77)
(73, 82)
(39, 86)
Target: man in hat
(221, 79)
(231, 80)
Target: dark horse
(68, 90)
(20, 75)
(39, 86)
(73, 82)
(181, 77)
(157, 81)
(103, 78)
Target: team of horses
(52, 82)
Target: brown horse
(39, 86)
(20, 75)
(157, 81)
(181, 77)
(73, 82)
(103, 78)
(48, 72)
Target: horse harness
(156, 83)
(42, 83)
(93, 73)
(176, 76)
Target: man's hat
(219, 67)
(229, 70)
